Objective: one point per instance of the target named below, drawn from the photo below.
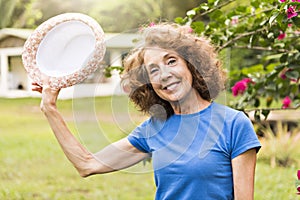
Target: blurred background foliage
(261, 38)
(257, 39)
(113, 15)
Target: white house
(14, 81)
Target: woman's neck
(193, 103)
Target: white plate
(66, 49)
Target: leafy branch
(238, 37)
(270, 27)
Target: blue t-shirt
(192, 153)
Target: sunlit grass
(275, 183)
(32, 165)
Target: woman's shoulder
(225, 108)
(227, 112)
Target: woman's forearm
(78, 155)
(116, 156)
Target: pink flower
(281, 36)
(234, 21)
(295, 0)
(290, 25)
(190, 30)
(282, 1)
(240, 86)
(151, 24)
(286, 102)
(291, 12)
(283, 76)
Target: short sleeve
(138, 137)
(243, 136)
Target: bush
(280, 145)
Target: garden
(259, 45)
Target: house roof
(16, 32)
(112, 40)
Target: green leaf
(255, 4)
(279, 67)
(294, 89)
(253, 69)
(198, 26)
(292, 74)
(296, 21)
(272, 75)
(179, 20)
(284, 58)
(273, 17)
(109, 69)
(216, 14)
(256, 102)
(241, 9)
(270, 67)
(271, 87)
(269, 101)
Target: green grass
(32, 165)
(275, 183)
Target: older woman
(200, 149)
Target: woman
(199, 148)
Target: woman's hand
(49, 96)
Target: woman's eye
(153, 70)
(171, 61)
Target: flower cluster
(240, 86)
(286, 102)
(291, 12)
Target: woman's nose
(165, 73)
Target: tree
(115, 15)
(18, 13)
(51, 8)
(121, 16)
(271, 29)
(6, 12)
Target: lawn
(32, 165)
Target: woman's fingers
(36, 87)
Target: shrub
(280, 145)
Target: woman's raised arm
(115, 156)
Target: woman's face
(168, 73)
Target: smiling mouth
(171, 86)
